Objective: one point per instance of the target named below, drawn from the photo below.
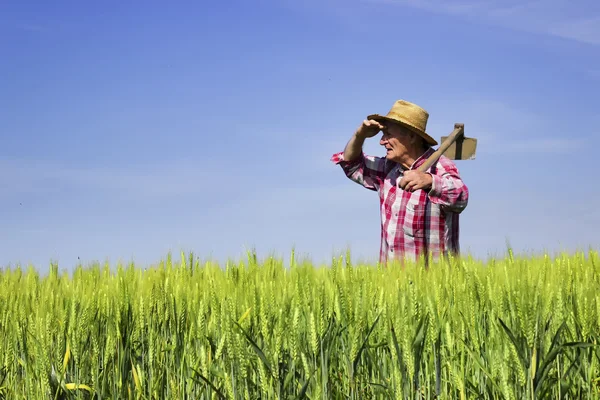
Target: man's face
(397, 141)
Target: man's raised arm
(365, 170)
(354, 147)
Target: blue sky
(130, 130)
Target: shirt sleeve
(447, 188)
(368, 171)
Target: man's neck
(409, 159)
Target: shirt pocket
(414, 220)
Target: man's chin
(390, 157)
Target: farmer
(419, 210)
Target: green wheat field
(510, 328)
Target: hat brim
(419, 132)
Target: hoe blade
(463, 148)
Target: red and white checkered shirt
(412, 224)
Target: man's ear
(417, 140)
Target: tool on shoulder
(455, 146)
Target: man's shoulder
(446, 164)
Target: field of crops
(513, 328)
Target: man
(419, 210)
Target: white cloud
(578, 21)
(510, 128)
(36, 177)
(318, 218)
(538, 145)
(531, 219)
(593, 73)
(586, 30)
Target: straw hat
(409, 115)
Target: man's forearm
(354, 147)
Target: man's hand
(415, 180)
(369, 128)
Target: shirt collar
(419, 161)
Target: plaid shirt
(412, 224)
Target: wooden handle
(459, 129)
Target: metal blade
(463, 148)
